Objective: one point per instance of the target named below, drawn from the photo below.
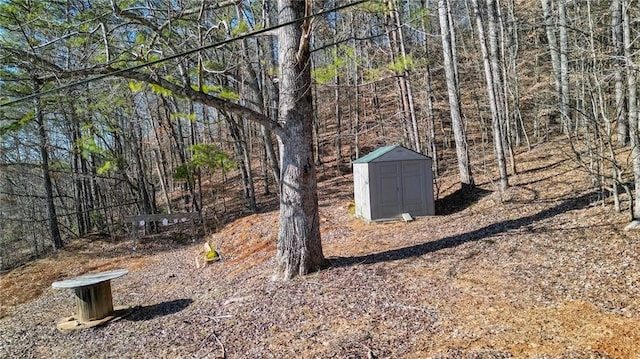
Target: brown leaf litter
(543, 271)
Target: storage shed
(391, 181)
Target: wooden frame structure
(140, 222)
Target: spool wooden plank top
(89, 279)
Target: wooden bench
(140, 222)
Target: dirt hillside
(544, 271)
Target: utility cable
(181, 54)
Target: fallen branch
(224, 351)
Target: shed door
(413, 187)
(401, 189)
(389, 195)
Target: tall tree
(450, 68)
(401, 67)
(492, 79)
(150, 30)
(54, 230)
(554, 48)
(564, 65)
(632, 98)
(617, 39)
(299, 249)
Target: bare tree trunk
(54, 231)
(493, 90)
(269, 106)
(496, 26)
(147, 202)
(272, 159)
(404, 82)
(432, 149)
(452, 40)
(500, 130)
(170, 105)
(632, 98)
(317, 146)
(299, 248)
(518, 123)
(553, 44)
(462, 151)
(564, 66)
(338, 115)
(617, 38)
(242, 154)
(161, 179)
(256, 100)
(356, 86)
(161, 165)
(77, 174)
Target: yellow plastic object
(211, 256)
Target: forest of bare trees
(121, 107)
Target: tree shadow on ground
(457, 240)
(459, 200)
(142, 313)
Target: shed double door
(402, 189)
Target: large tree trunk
(459, 133)
(299, 246)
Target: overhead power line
(181, 54)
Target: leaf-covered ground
(543, 271)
